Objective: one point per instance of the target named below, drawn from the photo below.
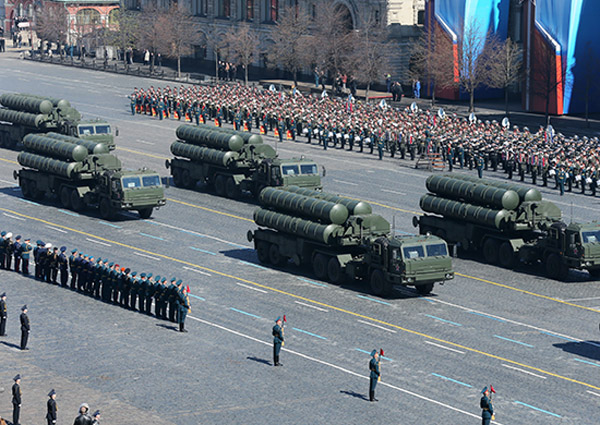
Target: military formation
(97, 277)
(542, 157)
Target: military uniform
(3, 314)
(487, 409)
(183, 307)
(16, 399)
(25, 328)
(561, 177)
(17, 253)
(374, 375)
(278, 341)
(25, 253)
(51, 408)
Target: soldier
(25, 328)
(380, 146)
(16, 399)
(172, 294)
(17, 253)
(487, 410)
(150, 291)
(36, 258)
(25, 253)
(375, 374)
(133, 291)
(51, 408)
(157, 296)
(2, 249)
(46, 262)
(73, 266)
(96, 414)
(125, 288)
(480, 164)
(278, 341)
(183, 306)
(143, 288)
(561, 177)
(3, 314)
(53, 264)
(84, 417)
(63, 267)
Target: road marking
(141, 153)
(9, 161)
(524, 371)
(377, 326)
(345, 182)
(452, 380)
(319, 303)
(586, 362)
(369, 353)
(99, 242)
(9, 182)
(488, 316)
(513, 340)
(147, 256)
(593, 393)
(196, 296)
(144, 142)
(384, 205)
(445, 348)
(191, 232)
(202, 250)
(209, 209)
(13, 216)
(249, 287)
(393, 191)
(109, 224)
(566, 338)
(246, 313)
(537, 408)
(196, 270)
(312, 282)
(311, 306)
(341, 369)
(57, 229)
(252, 264)
(309, 333)
(443, 320)
(372, 299)
(71, 213)
(29, 202)
(151, 236)
(582, 299)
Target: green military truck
(82, 173)
(24, 114)
(233, 162)
(341, 239)
(508, 224)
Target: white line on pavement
(98, 242)
(15, 217)
(146, 255)
(524, 371)
(196, 270)
(393, 191)
(312, 306)
(250, 287)
(57, 229)
(444, 347)
(144, 142)
(345, 182)
(377, 326)
(593, 393)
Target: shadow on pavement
(354, 394)
(259, 360)
(172, 328)
(588, 349)
(11, 345)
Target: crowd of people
(345, 123)
(97, 277)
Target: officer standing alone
(51, 408)
(3, 314)
(374, 375)
(277, 341)
(487, 410)
(25, 328)
(16, 399)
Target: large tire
(262, 252)
(506, 256)
(334, 271)
(275, 256)
(25, 189)
(177, 177)
(320, 266)
(106, 211)
(65, 197)
(555, 269)
(145, 213)
(424, 289)
(232, 190)
(378, 284)
(490, 251)
(76, 201)
(220, 185)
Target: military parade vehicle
(233, 162)
(340, 238)
(508, 224)
(24, 114)
(82, 173)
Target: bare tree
(150, 35)
(127, 31)
(291, 44)
(507, 67)
(179, 34)
(215, 42)
(242, 43)
(52, 23)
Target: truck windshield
(289, 170)
(413, 252)
(151, 181)
(437, 249)
(103, 129)
(591, 236)
(131, 182)
(86, 130)
(309, 169)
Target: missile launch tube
(59, 103)
(49, 165)
(91, 146)
(474, 193)
(212, 139)
(55, 148)
(461, 211)
(354, 207)
(249, 138)
(324, 233)
(23, 118)
(313, 208)
(26, 104)
(525, 193)
(199, 153)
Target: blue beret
(111, 264)
(143, 275)
(278, 319)
(164, 279)
(96, 413)
(3, 233)
(134, 274)
(63, 248)
(179, 282)
(127, 270)
(39, 242)
(18, 237)
(484, 390)
(157, 278)
(173, 279)
(73, 251)
(373, 353)
(149, 275)
(3, 294)
(24, 307)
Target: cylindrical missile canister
(54, 148)
(91, 146)
(324, 233)
(474, 193)
(49, 165)
(26, 104)
(200, 153)
(462, 211)
(212, 139)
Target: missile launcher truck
(82, 173)
(24, 114)
(508, 224)
(341, 239)
(233, 162)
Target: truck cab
(300, 172)
(95, 130)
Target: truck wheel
(275, 256)
(490, 251)
(220, 185)
(320, 266)
(25, 189)
(262, 252)
(106, 211)
(186, 180)
(555, 269)
(76, 201)
(334, 271)
(177, 177)
(65, 197)
(594, 273)
(506, 256)
(145, 213)
(424, 289)
(378, 284)
(231, 188)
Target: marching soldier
(375, 374)
(3, 314)
(278, 341)
(487, 410)
(51, 408)
(25, 328)
(16, 399)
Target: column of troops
(541, 157)
(97, 278)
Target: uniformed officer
(487, 410)
(16, 399)
(3, 314)
(51, 408)
(150, 291)
(278, 341)
(62, 266)
(561, 177)
(73, 266)
(26, 249)
(183, 306)
(17, 253)
(2, 249)
(480, 165)
(171, 298)
(25, 328)
(375, 374)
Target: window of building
(313, 11)
(376, 16)
(421, 17)
(273, 10)
(199, 52)
(224, 8)
(199, 7)
(249, 10)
